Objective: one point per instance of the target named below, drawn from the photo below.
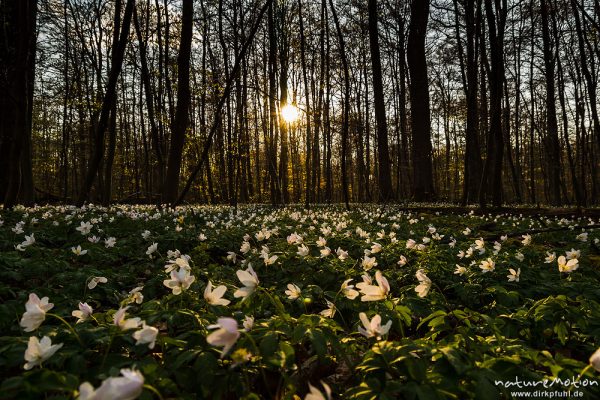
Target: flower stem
(61, 319)
(153, 390)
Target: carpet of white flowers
(215, 303)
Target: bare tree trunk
(108, 102)
(16, 96)
(346, 105)
(552, 143)
(419, 102)
(385, 173)
(181, 121)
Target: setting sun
(290, 113)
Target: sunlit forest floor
(420, 301)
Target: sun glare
(290, 113)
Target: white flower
(342, 254)
(321, 242)
(329, 312)
(125, 324)
(202, 237)
(526, 240)
(146, 335)
(466, 232)
(294, 238)
(369, 262)
(180, 281)
(402, 262)
(325, 252)
(424, 284)
(95, 281)
(215, 297)
(497, 247)
(270, 260)
(375, 292)
(225, 336)
(85, 310)
(35, 312)
(487, 265)
(248, 323)
(39, 351)
(231, 256)
(573, 254)
(514, 275)
(245, 247)
(293, 291)
(78, 251)
(249, 279)
(410, 243)
(18, 229)
(136, 296)
(302, 251)
(460, 270)
(550, 257)
(316, 394)
(179, 263)
(519, 256)
(595, 360)
(129, 386)
(375, 248)
(567, 266)
(480, 245)
(84, 228)
(110, 242)
(367, 280)
(93, 239)
(146, 234)
(373, 328)
(29, 240)
(503, 238)
(151, 249)
(583, 237)
(348, 290)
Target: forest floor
(418, 301)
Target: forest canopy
(300, 101)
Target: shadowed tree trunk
(552, 143)
(346, 105)
(419, 102)
(17, 66)
(181, 121)
(154, 133)
(492, 171)
(385, 172)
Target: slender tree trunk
(552, 143)
(154, 132)
(307, 155)
(496, 18)
(346, 105)
(181, 122)
(110, 97)
(385, 173)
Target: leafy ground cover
(207, 302)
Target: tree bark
(419, 101)
(385, 173)
(181, 121)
